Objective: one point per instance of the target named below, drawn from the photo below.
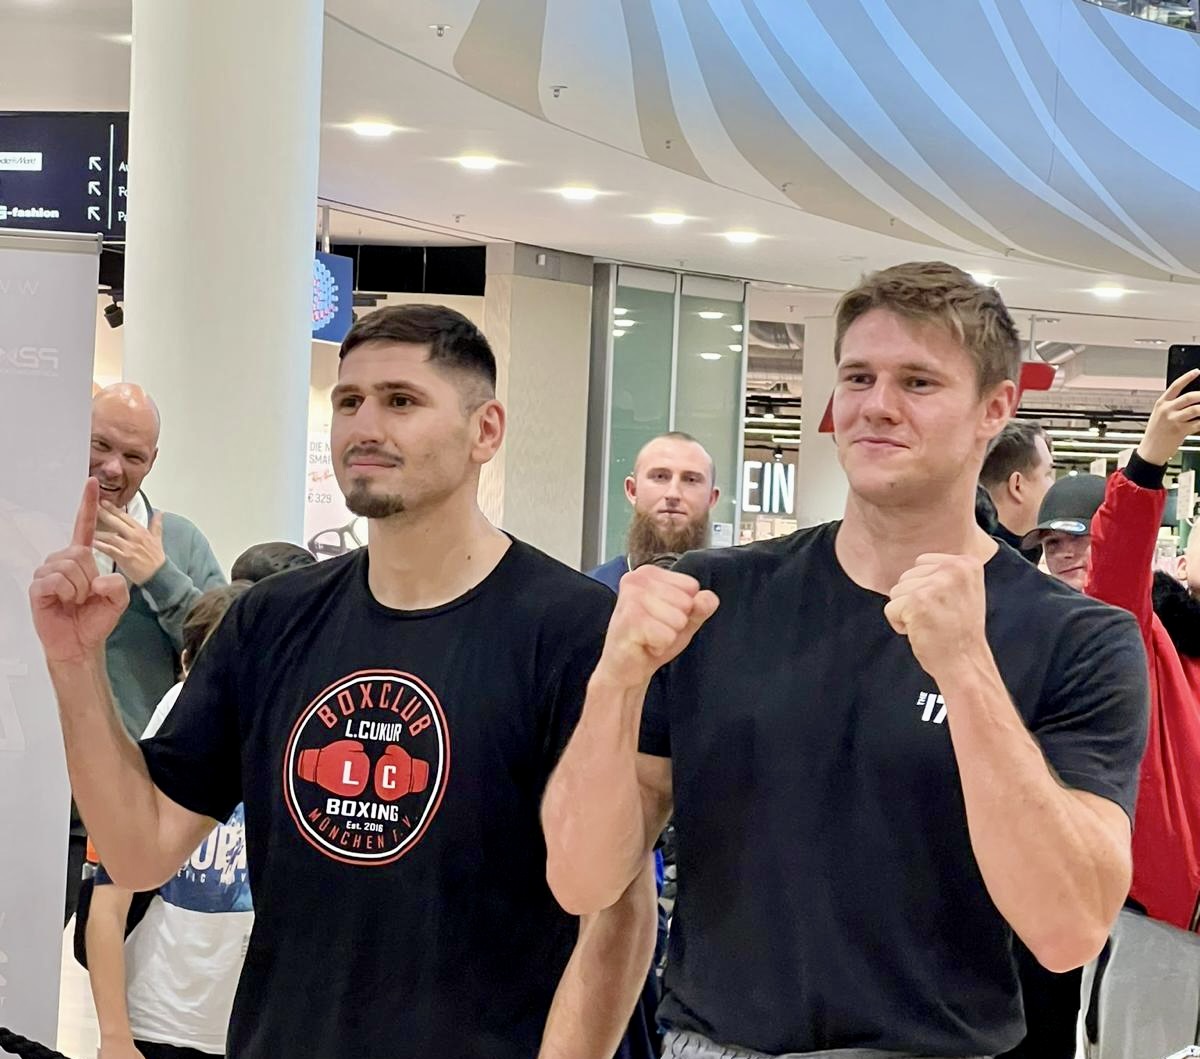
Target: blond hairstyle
(934, 294)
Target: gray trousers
(693, 1046)
(1147, 1002)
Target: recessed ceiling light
(373, 130)
(768, 415)
(1109, 292)
(1149, 341)
(618, 333)
(482, 162)
(618, 311)
(984, 279)
(624, 323)
(741, 236)
(735, 349)
(668, 217)
(736, 327)
(710, 356)
(709, 314)
(578, 194)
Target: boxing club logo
(366, 765)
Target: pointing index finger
(85, 520)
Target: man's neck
(876, 546)
(1013, 518)
(425, 559)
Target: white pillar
(224, 136)
(820, 483)
(537, 317)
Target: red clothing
(1166, 834)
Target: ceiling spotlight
(624, 323)
(736, 327)
(1109, 292)
(735, 349)
(373, 130)
(710, 314)
(668, 217)
(114, 315)
(618, 311)
(481, 162)
(578, 194)
(742, 237)
(777, 455)
(440, 28)
(618, 333)
(710, 356)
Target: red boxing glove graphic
(341, 768)
(398, 773)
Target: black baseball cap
(1068, 507)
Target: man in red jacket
(1145, 996)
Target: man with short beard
(389, 719)
(672, 490)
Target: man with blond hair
(926, 746)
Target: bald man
(162, 554)
(165, 558)
(672, 490)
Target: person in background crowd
(1144, 997)
(389, 719)
(672, 491)
(273, 557)
(875, 782)
(167, 991)
(1017, 471)
(165, 559)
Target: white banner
(47, 343)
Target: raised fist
(658, 612)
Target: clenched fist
(658, 612)
(74, 608)
(941, 606)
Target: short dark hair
(452, 339)
(206, 614)
(1013, 449)
(273, 557)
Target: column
(224, 137)
(820, 483)
(537, 317)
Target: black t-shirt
(828, 893)
(392, 766)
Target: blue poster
(333, 297)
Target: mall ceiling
(1048, 143)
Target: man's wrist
(612, 677)
(143, 581)
(972, 664)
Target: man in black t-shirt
(389, 718)
(893, 746)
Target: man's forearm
(1050, 863)
(105, 942)
(109, 779)
(605, 976)
(592, 811)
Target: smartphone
(1181, 360)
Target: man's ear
(631, 489)
(1015, 486)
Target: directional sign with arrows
(64, 172)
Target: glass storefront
(675, 358)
